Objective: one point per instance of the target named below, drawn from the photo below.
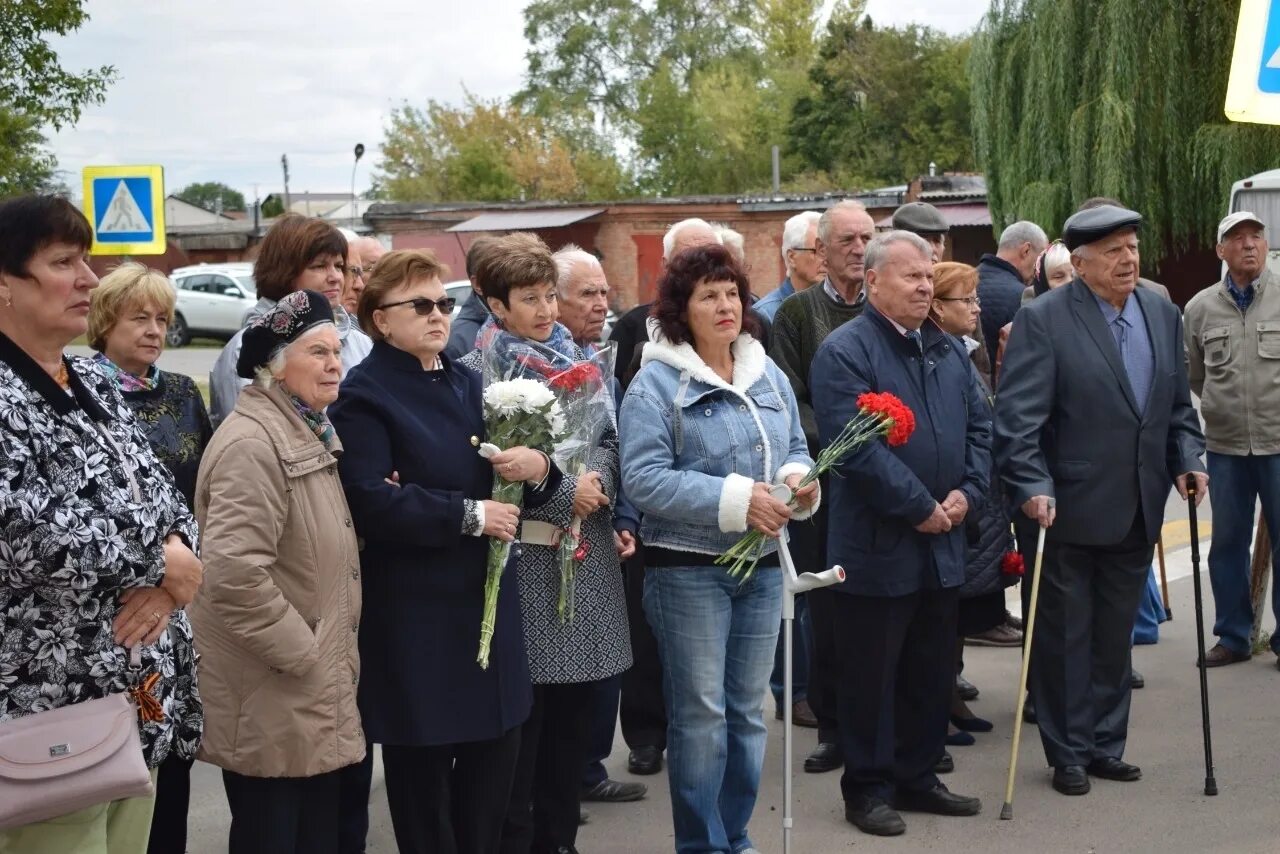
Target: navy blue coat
(882, 493)
(423, 579)
(1000, 288)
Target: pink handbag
(57, 762)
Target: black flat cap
(920, 218)
(269, 333)
(1096, 223)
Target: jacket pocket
(1217, 345)
(708, 429)
(1268, 340)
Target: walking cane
(1029, 619)
(1164, 578)
(792, 585)
(1210, 784)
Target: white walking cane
(793, 583)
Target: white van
(1260, 195)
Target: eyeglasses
(972, 302)
(802, 249)
(424, 306)
(356, 271)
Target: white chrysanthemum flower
(508, 397)
(556, 418)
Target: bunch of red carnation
(1012, 564)
(899, 417)
(572, 379)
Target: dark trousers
(897, 670)
(604, 720)
(1089, 598)
(173, 795)
(809, 549)
(451, 798)
(354, 783)
(546, 792)
(643, 713)
(282, 815)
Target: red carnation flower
(581, 374)
(893, 412)
(1012, 564)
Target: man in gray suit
(1094, 411)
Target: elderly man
(898, 528)
(365, 253)
(800, 256)
(1094, 411)
(927, 221)
(474, 311)
(1003, 277)
(582, 293)
(1233, 359)
(801, 324)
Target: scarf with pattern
(127, 381)
(315, 419)
(520, 357)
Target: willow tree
(1122, 98)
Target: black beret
(1096, 223)
(920, 218)
(268, 333)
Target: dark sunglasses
(424, 306)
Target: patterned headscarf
(277, 328)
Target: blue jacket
(882, 493)
(693, 445)
(1000, 288)
(423, 579)
(769, 304)
(466, 326)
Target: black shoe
(1110, 768)
(967, 690)
(874, 816)
(825, 757)
(611, 791)
(960, 739)
(1071, 780)
(1136, 680)
(938, 800)
(563, 850)
(645, 761)
(1029, 711)
(945, 765)
(972, 724)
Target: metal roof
(957, 216)
(533, 220)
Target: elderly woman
(96, 539)
(449, 762)
(128, 316)
(1053, 270)
(298, 253)
(276, 622)
(955, 310)
(709, 426)
(567, 658)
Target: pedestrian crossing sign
(125, 204)
(1253, 90)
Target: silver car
(213, 301)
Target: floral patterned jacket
(74, 535)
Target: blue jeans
(1146, 628)
(1235, 484)
(716, 639)
(801, 640)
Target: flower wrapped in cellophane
(879, 414)
(585, 392)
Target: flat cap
(1094, 224)
(920, 218)
(1232, 220)
(269, 333)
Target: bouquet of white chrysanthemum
(516, 412)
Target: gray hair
(566, 257)
(1056, 256)
(824, 221)
(669, 239)
(794, 232)
(1023, 232)
(733, 241)
(268, 374)
(878, 249)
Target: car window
(199, 284)
(247, 284)
(220, 285)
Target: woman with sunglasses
(419, 495)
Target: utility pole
(355, 208)
(284, 164)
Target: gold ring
(155, 616)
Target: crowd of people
(303, 566)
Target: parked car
(460, 291)
(214, 301)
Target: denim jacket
(693, 445)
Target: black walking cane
(1210, 784)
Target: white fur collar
(748, 359)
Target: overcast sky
(217, 91)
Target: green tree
(886, 102)
(213, 196)
(488, 150)
(273, 207)
(35, 90)
(1078, 98)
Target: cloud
(218, 91)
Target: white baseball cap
(1235, 219)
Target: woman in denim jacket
(708, 426)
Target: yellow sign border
(156, 246)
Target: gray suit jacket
(1067, 424)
